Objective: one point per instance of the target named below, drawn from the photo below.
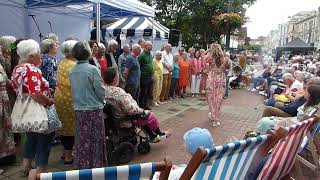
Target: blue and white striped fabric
(230, 161)
(130, 172)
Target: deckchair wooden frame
(201, 154)
(162, 166)
(314, 147)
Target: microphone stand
(50, 26)
(37, 25)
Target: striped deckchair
(229, 161)
(283, 156)
(130, 172)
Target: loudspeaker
(174, 37)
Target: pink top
(197, 65)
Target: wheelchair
(122, 141)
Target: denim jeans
(145, 86)
(174, 82)
(38, 146)
(226, 92)
(258, 80)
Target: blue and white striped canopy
(138, 26)
(109, 8)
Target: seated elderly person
(261, 77)
(292, 89)
(312, 99)
(123, 105)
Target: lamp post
(228, 28)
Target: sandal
(215, 124)
(156, 139)
(26, 172)
(67, 163)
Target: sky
(265, 15)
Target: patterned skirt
(89, 140)
(7, 146)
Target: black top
(292, 108)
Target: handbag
(53, 121)
(27, 114)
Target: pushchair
(120, 141)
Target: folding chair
(229, 161)
(309, 144)
(130, 172)
(283, 155)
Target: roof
(297, 43)
(110, 9)
(138, 26)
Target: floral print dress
(7, 146)
(63, 98)
(215, 88)
(49, 68)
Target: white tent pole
(152, 30)
(98, 22)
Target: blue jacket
(88, 92)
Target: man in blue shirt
(132, 73)
(289, 110)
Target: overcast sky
(265, 15)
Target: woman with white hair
(88, 97)
(5, 52)
(110, 53)
(157, 78)
(27, 75)
(63, 101)
(49, 65)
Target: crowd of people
(90, 76)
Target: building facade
(304, 25)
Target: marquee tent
(137, 27)
(68, 17)
(296, 46)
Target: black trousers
(133, 90)
(145, 86)
(67, 142)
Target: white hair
(101, 45)
(299, 75)
(112, 42)
(126, 45)
(6, 41)
(26, 48)
(158, 53)
(136, 46)
(66, 47)
(46, 45)
(52, 36)
(287, 76)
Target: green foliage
(193, 17)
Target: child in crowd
(194, 139)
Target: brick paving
(238, 116)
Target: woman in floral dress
(63, 101)
(7, 147)
(216, 82)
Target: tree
(193, 17)
(227, 23)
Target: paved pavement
(238, 116)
